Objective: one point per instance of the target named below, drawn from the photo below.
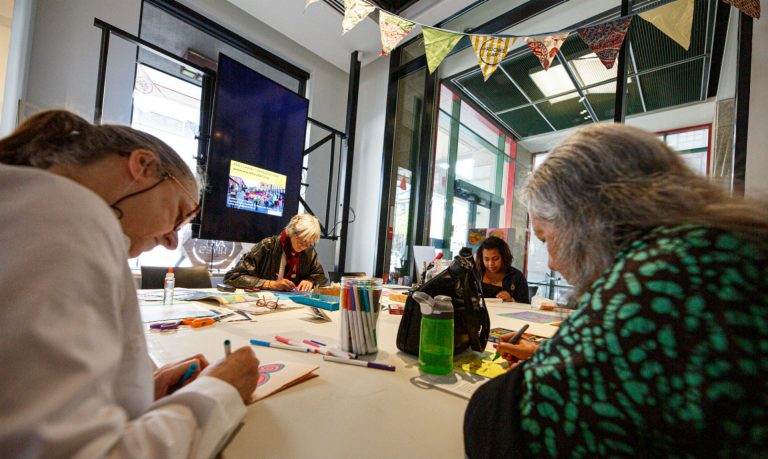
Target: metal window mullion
(538, 110)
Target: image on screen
(256, 190)
(254, 165)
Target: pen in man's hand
(514, 340)
(187, 374)
(227, 348)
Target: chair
(532, 290)
(190, 277)
(334, 276)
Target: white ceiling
(319, 27)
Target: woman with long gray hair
(664, 354)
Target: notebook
(277, 376)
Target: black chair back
(532, 290)
(187, 277)
(334, 276)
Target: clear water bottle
(436, 333)
(168, 285)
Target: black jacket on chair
(263, 262)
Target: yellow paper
(354, 12)
(437, 44)
(481, 364)
(674, 19)
(490, 51)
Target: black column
(743, 73)
(354, 87)
(620, 106)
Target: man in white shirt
(76, 377)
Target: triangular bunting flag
(393, 30)
(748, 7)
(354, 12)
(545, 47)
(490, 51)
(437, 44)
(605, 39)
(674, 19)
(309, 2)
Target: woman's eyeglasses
(189, 216)
(269, 304)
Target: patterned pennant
(490, 51)
(674, 19)
(437, 44)
(309, 2)
(605, 39)
(393, 30)
(545, 47)
(354, 12)
(748, 7)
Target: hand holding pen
(170, 378)
(513, 348)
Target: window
(473, 182)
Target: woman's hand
(282, 285)
(504, 295)
(513, 353)
(305, 286)
(168, 376)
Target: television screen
(255, 158)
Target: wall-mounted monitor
(255, 157)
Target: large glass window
(410, 97)
(473, 181)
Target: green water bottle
(436, 334)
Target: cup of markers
(359, 306)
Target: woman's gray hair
(606, 185)
(305, 226)
(61, 138)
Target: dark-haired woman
(77, 381)
(500, 278)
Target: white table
(346, 412)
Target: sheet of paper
(530, 316)
(160, 312)
(452, 383)
(422, 254)
(276, 376)
(481, 364)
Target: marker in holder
(359, 305)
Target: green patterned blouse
(666, 356)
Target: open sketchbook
(276, 376)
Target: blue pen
(187, 374)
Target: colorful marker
(360, 363)
(187, 374)
(227, 348)
(279, 345)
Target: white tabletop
(346, 412)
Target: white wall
(757, 144)
(367, 167)
(64, 57)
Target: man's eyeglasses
(189, 216)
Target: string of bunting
(673, 18)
